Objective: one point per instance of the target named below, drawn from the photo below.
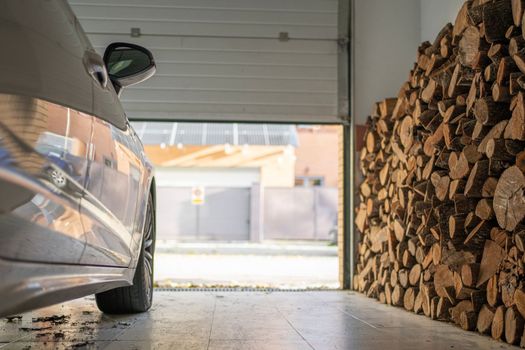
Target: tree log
(489, 112)
(468, 320)
(513, 326)
(493, 256)
(498, 323)
(497, 18)
(485, 317)
(509, 199)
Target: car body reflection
(70, 180)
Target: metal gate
(225, 214)
(300, 213)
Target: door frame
(347, 234)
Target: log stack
(442, 202)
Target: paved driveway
(277, 271)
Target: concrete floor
(240, 320)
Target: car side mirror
(128, 64)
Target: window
(309, 181)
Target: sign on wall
(198, 195)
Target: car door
(115, 186)
(46, 102)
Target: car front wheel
(138, 297)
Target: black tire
(139, 296)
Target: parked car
(77, 194)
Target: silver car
(77, 194)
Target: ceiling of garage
(223, 59)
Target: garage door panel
(329, 6)
(303, 6)
(237, 84)
(270, 17)
(220, 44)
(183, 107)
(220, 117)
(243, 58)
(123, 26)
(196, 96)
(234, 72)
(224, 57)
(230, 116)
(163, 56)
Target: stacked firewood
(442, 202)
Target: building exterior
(317, 155)
(254, 181)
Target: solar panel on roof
(171, 133)
(219, 134)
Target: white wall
(208, 177)
(435, 14)
(385, 39)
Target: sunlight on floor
(250, 270)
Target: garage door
(235, 60)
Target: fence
(241, 214)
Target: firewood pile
(442, 202)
